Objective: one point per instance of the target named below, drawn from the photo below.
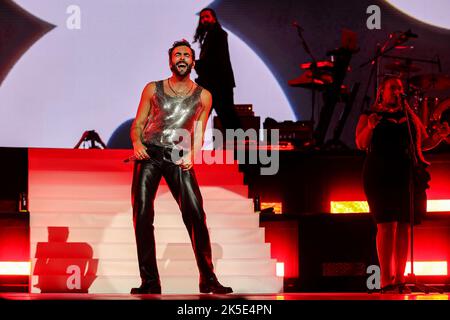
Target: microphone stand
(414, 163)
(313, 70)
(375, 61)
(366, 100)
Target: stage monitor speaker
(335, 251)
(299, 133)
(14, 178)
(248, 121)
(244, 110)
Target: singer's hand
(140, 152)
(373, 120)
(185, 162)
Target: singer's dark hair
(180, 43)
(200, 32)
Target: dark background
(266, 26)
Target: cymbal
(400, 66)
(432, 81)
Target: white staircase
(82, 237)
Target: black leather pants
(184, 187)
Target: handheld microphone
(130, 158)
(402, 97)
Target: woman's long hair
(200, 32)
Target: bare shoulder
(150, 88)
(205, 95)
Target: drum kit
(428, 93)
(424, 90)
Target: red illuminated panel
(14, 268)
(348, 206)
(362, 206)
(277, 208)
(280, 269)
(438, 206)
(428, 268)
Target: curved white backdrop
(434, 12)
(91, 79)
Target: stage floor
(235, 306)
(268, 297)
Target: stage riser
(126, 235)
(124, 178)
(170, 250)
(80, 205)
(308, 181)
(166, 267)
(123, 192)
(243, 206)
(125, 220)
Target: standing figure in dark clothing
(171, 109)
(214, 67)
(383, 132)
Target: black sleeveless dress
(387, 172)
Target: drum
(422, 105)
(416, 97)
(441, 112)
(427, 107)
(440, 115)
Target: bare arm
(137, 126)
(364, 130)
(199, 131)
(200, 128)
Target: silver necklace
(179, 94)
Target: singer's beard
(184, 73)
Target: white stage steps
(81, 226)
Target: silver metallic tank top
(169, 113)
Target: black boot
(212, 285)
(153, 287)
